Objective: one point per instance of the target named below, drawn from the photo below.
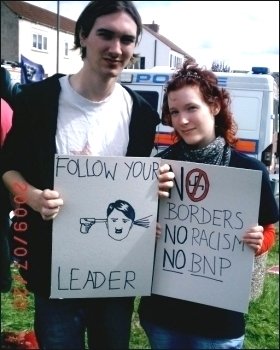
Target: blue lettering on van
(222, 81)
(140, 78)
(152, 78)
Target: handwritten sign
(200, 256)
(104, 236)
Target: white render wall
(149, 46)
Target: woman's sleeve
(269, 211)
(269, 239)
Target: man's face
(118, 225)
(110, 44)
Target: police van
(255, 100)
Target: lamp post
(57, 40)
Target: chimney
(153, 26)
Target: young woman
(205, 131)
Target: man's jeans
(61, 323)
(162, 338)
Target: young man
(84, 113)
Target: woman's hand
(165, 181)
(254, 238)
(47, 203)
(158, 230)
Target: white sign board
(200, 256)
(104, 236)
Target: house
(156, 50)
(31, 31)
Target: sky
(241, 34)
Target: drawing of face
(30, 71)
(118, 225)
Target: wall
(48, 59)
(9, 34)
(147, 49)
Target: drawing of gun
(86, 223)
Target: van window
(150, 96)
(246, 106)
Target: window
(150, 96)
(171, 61)
(66, 49)
(40, 42)
(178, 62)
(175, 61)
(34, 41)
(45, 45)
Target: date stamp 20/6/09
(20, 248)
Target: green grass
(262, 325)
(262, 320)
(16, 306)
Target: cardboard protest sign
(104, 236)
(200, 256)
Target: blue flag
(31, 71)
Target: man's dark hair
(99, 8)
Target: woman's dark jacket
(30, 148)
(198, 319)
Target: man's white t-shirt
(93, 128)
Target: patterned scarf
(217, 152)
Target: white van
(255, 101)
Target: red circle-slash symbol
(197, 185)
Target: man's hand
(165, 181)
(158, 230)
(47, 203)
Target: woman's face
(191, 117)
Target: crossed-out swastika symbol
(197, 185)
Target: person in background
(9, 89)
(6, 120)
(8, 95)
(199, 111)
(6, 208)
(83, 113)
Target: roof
(41, 16)
(47, 18)
(167, 42)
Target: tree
(220, 67)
